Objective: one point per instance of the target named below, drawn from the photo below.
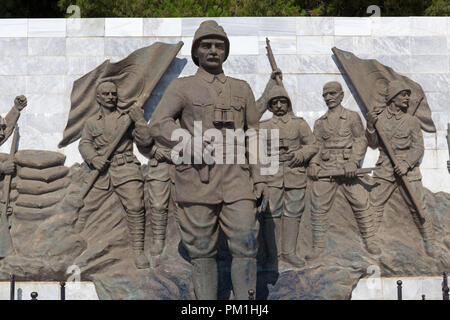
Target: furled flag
(370, 79)
(135, 77)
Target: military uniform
(404, 133)
(9, 122)
(340, 143)
(210, 195)
(285, 190)
(123, 175)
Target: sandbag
(39, 201)
(45, 175)
(40, 188)
(13, 195)
(4, 156)
(39, 159)
(23, 213)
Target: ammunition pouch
(123, 158)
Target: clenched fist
(99, 163)
(8, 167)
(20, 102)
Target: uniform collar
(342, 114)
(209, 77)
(118, 112)
(398, 115)
(285, 118)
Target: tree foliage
(221, 8)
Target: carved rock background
(46, 246)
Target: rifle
(6, 244)
(341, 172)
(273, 63)
(385, 142)
(448, 137)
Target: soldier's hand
(297, 160)
(402, 168)
(259, 190)
(162, 155)
(350, 170)
(313, 172)
(8, 167)
(276, 73)
(20, 102)
(371, 118)
(99, 163)
(136, 112)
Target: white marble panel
(390, 26)
(349, 26)
(429, 139)
(147, 41)
(400, 63)
(86, 27)
(47, 65)
(13, 47)
(46, 46)
(287, 63)
(124, 27)
(429, 45)
(433, 82)
(45, 103)
(242, 45)
(93, 62)
(441, 119)
(441, 139)
(13, 85)
(13, 28)
(391, 45)
(13, 66)
(85, 46)
(76, 65)
(233, 26)
(121, 46)
(45, 85)
(317, 64)
(315, 26)
(269, 26)
(46, 28)
(438, 101)
(240, 64)
(428, 26)
(432, 179)
(430, 64)
(279, 44)
(429, 160)
(315, 44)
(186, 48)
(162, 27)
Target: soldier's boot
(205, 278)
(243, 277)
(319, 229)
(365, 221)
(426, 230)
(159, 226)
(272, 238)
(378, 218)
(136, 227)
(289, 242)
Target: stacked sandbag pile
(40, 184)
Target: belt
(122, 158)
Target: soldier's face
(401, 100)
(211, 54)
(279, 106)
(107, 95)
(333, 97)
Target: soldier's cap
(394, 88)
(332, 86)
(278, 92)
(209, 29)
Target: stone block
(442, 156)
(124, 27)
(186, 48)
(441, 120)
(13, 47)
(429, 45)
(47, 65)
(45, 85)
(391, 45)
(315, 44)
(240, 64)
(368, 289)
(13, 85)
(86, 27)
(46, 46)
(432, 288)
(45, 122)
(429, 139)
(432, 179)
(287, 63)
(121, 46)
(93, 62)
(13, 66)
(147, 41)
(13, 28)
(349, 26)
(279, 44)
(46, 28)
(433, 82)
(315, 26)
(162, 27)
(428, 26)
(390, 26)
(233, 26)
(429, 160)
(400, 63)
(438, 101)
(269, 26)
(412, 289)
(317, 64)
(315, 82)
(441, 139)
(243, 45)
(45, 103)
(75, 65)
(85, 46)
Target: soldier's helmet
(394, 88)
(278, 91)
(208, 29)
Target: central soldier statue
(212, 195)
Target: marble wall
(42, 57)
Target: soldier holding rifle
(403, 132)
(340, 134)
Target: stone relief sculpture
(340, 135)
(52, 228)
(213, 195)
